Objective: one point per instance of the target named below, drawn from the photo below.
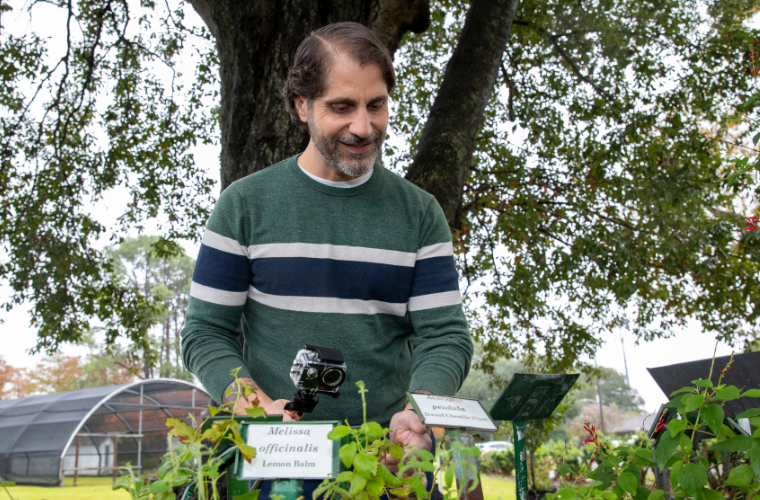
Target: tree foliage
(593, 200)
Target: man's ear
(300, 102)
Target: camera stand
(303, 402)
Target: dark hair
(317, 51)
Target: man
(330, 248)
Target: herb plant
(699, 415)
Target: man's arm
(218, 295)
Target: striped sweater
(368, 270)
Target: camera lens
(332, 377)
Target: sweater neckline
(299, 174)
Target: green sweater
(368, 270)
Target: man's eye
(341, 109)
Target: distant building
(41, 436)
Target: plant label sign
(290, 450)
(446, 411)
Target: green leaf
(364, 462)
(449, 476)
(339, 432)
(713, 415)
(675, 470)
(608, 495)
(396, 451)
(752, 412)
(749, 102)
(8, 484)
(390, 478)
(617, 490)
(642, 493)
(754, 456)
(728, 393)
(251, 495)
(685, 443)
(756, 138)
(674, 403)
(712, 494)
(564, 469)
(347, 453)
(213, 410)
(665, 448)
(657, 495)
(692, 401)
(738, 443)
(159, 487)
(372, 430)
(741, 475)
(676, 425)
(751, 393)
(375, 486)
(644, 453)
(255, 412)
(567, 494)
(357, 484)
(345, 476)
(703, 383)
(628, 482)
(692, 478)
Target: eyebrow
(353, 102)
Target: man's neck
(313, 162)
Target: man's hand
(257, 398)
(407, 430)
(278, 408)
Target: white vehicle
(494, 446)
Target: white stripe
(438, 250)
(432, 300)
(336, 252)
(223, 243)
(221, 297)
(327, 304)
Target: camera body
(315, 369)
(318, 369)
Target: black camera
(316, 369)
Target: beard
(344, 161)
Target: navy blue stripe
(222, 270)
(301, 276)
(435, 275)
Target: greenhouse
(92, 432)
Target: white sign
(445, 411)
(289, 451)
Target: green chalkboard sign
(531, 396)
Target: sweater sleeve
(218, 294)
(442, 344)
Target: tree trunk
(445, 149)
(256, 41)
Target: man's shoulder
(272, 176)
(402, 186)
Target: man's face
(347, 123)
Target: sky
(17, 337)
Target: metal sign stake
(521, 464)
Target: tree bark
(256, 41)
(445, 150)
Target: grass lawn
(88, 488)
(498, 488)
(99, 488)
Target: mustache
(356, 141)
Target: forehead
(346, 77)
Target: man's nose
(360, 125)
